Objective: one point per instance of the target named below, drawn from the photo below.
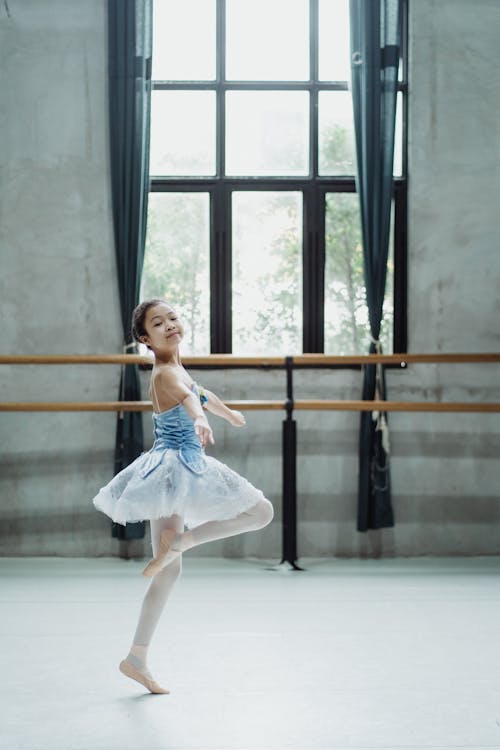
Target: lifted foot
(167, 536)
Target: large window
(253, 226)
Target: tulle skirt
(171, 488)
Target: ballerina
(175, 484)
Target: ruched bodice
(174, 429)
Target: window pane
(176, 262)
(267, 272)
(334, 41)
(267, 40)
(267, 132)
(183, 40)
(398, 137)
(182, 133)
(347, 329)
(337, 153)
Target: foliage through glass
(245, 162)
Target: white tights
(162, 584)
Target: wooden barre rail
(299, 405)
(230, 360)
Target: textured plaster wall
(57, 287)
(59, 294)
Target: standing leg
(152, 606)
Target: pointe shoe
(130, 671)
(166, 538)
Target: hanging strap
(379, 417)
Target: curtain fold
(129, 60)
(375, 44)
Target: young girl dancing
(175, 484)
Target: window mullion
(400, 326)
(313, 270)
(313, 93)
(220, 246)
(220, 89)
(220, 272)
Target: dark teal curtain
(129, 50)
(375, 44)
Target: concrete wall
(57, 287)
(59, 294)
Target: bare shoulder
(165, 376)
(169, 385)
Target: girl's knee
(265, 513)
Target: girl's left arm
(215, 405)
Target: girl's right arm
(170, 383)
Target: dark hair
(138, 316)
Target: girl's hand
(236, 418)
(204, 431)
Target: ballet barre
(289, 437)
(231, 360)
(298, 405)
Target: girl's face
(163, 327)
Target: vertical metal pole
(289, 520)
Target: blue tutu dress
(176, 476)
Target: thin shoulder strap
(153, 392)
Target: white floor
(367, 654)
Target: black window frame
(313, 187)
